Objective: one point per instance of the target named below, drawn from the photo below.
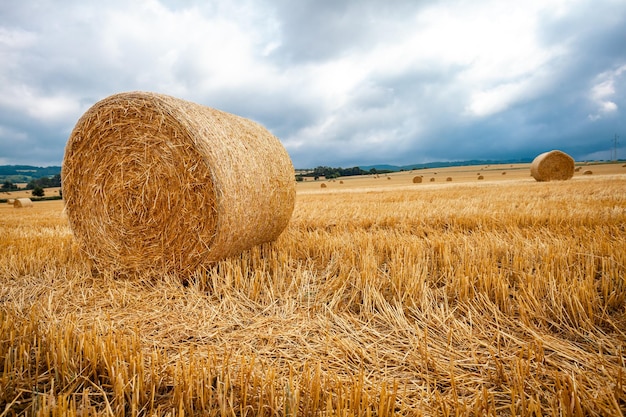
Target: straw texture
(22, 202)
(153, 183)
(552, 166)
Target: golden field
(501, 296)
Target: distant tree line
(330, 173)
(45, 182)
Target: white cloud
(602, 92)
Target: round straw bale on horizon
(588, 172)
(449, 179)
(322, 185)
(480, 177)
(22, 202)
(156, 184)
(11, 201)
(417, 179)
(552, 166)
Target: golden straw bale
(480, 177)
(22, 202)
(552, 166)
(11, 201)
(449, 179)
(588, 172)
(417, 179)
(323, 185)
(432, 179)
(155, 184)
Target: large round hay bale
(552, 166)
(417, 179)
(156, 184)
(22, 202)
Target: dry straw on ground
(552, 166)
(22, 202)
(153, 183)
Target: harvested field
(497, 297)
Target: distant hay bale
(480, 177)
(22, 202)
(503, 172)
(155, 184)
(322, 185)
(588, 172)
(388, 178)
(417, 180)
(449, 179)
(340, 182)
(432, 179)
(552, 166)
(577, 169)
(11, 201)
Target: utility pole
(615, 143)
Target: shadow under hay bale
(22, 202)
(157, 184)
(552, 166)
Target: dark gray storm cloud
(341, 83)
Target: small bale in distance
(22, 202)
(552, 166)
(449, 179)
(588, 172)
(480, 177)
(158, 185)
(432, 179)
(417, 180)
(322, 185)
(11, 201)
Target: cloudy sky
(340, 83)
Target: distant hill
(442, 164)
(26, 173)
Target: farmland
(499, 296)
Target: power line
(615, 143)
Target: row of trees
(37, 185)
(330, 173)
